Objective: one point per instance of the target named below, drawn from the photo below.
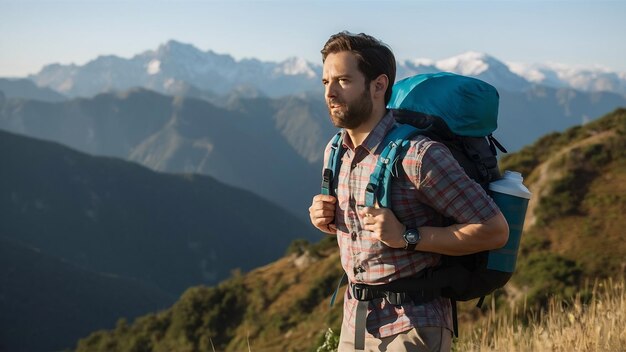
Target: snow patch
(295, 66)
(154, 67)
(470, 63)
(422, 62)
(527, 71)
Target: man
(358, 74)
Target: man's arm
(461, 239)
(457, 239)
(442, 184)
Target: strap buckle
(327, 178)
(396, 298)
(371, 188)
(361, 292)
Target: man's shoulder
(421, 145)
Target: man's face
(347, 96)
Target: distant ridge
(26, 89)
(174, 65)
(187, 135)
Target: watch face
(411, 237)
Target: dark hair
(374, 57)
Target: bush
(298, 247)
(328, 342)
(321, 288)
(547, 274)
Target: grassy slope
(595, 325)
(575, 221)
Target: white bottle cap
(511, 183)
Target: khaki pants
(427, 339)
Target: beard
(352, 114)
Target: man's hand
(384, 225)
(322, 213)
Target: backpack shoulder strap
(396, 141)
(331, 171)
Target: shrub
(548, 274)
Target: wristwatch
(412, 237)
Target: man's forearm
(462, 239)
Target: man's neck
(360, 133)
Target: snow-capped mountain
(479, 65)
(580, 78)
(296, 66)
(174, 65)
(181, 69)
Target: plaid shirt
(431, 185)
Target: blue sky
(38, 32)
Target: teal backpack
(460, 112)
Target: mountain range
(270, 146)
(176, 67)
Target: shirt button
(353, 234)
(353, 166)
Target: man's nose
(331, 90)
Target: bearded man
(380, 245)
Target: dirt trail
(545, 173)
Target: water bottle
(512, 197)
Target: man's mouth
(335, 105)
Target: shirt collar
(374, 138)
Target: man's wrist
(411, 238)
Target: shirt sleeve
(444, 186)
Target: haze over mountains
(176, 66)
(260, 126)
(267, 146)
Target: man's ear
(379, 85)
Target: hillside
(47, 302)
(578, 325)
(573, 233)
(280, 307)
(576, 217)
(109, 215)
